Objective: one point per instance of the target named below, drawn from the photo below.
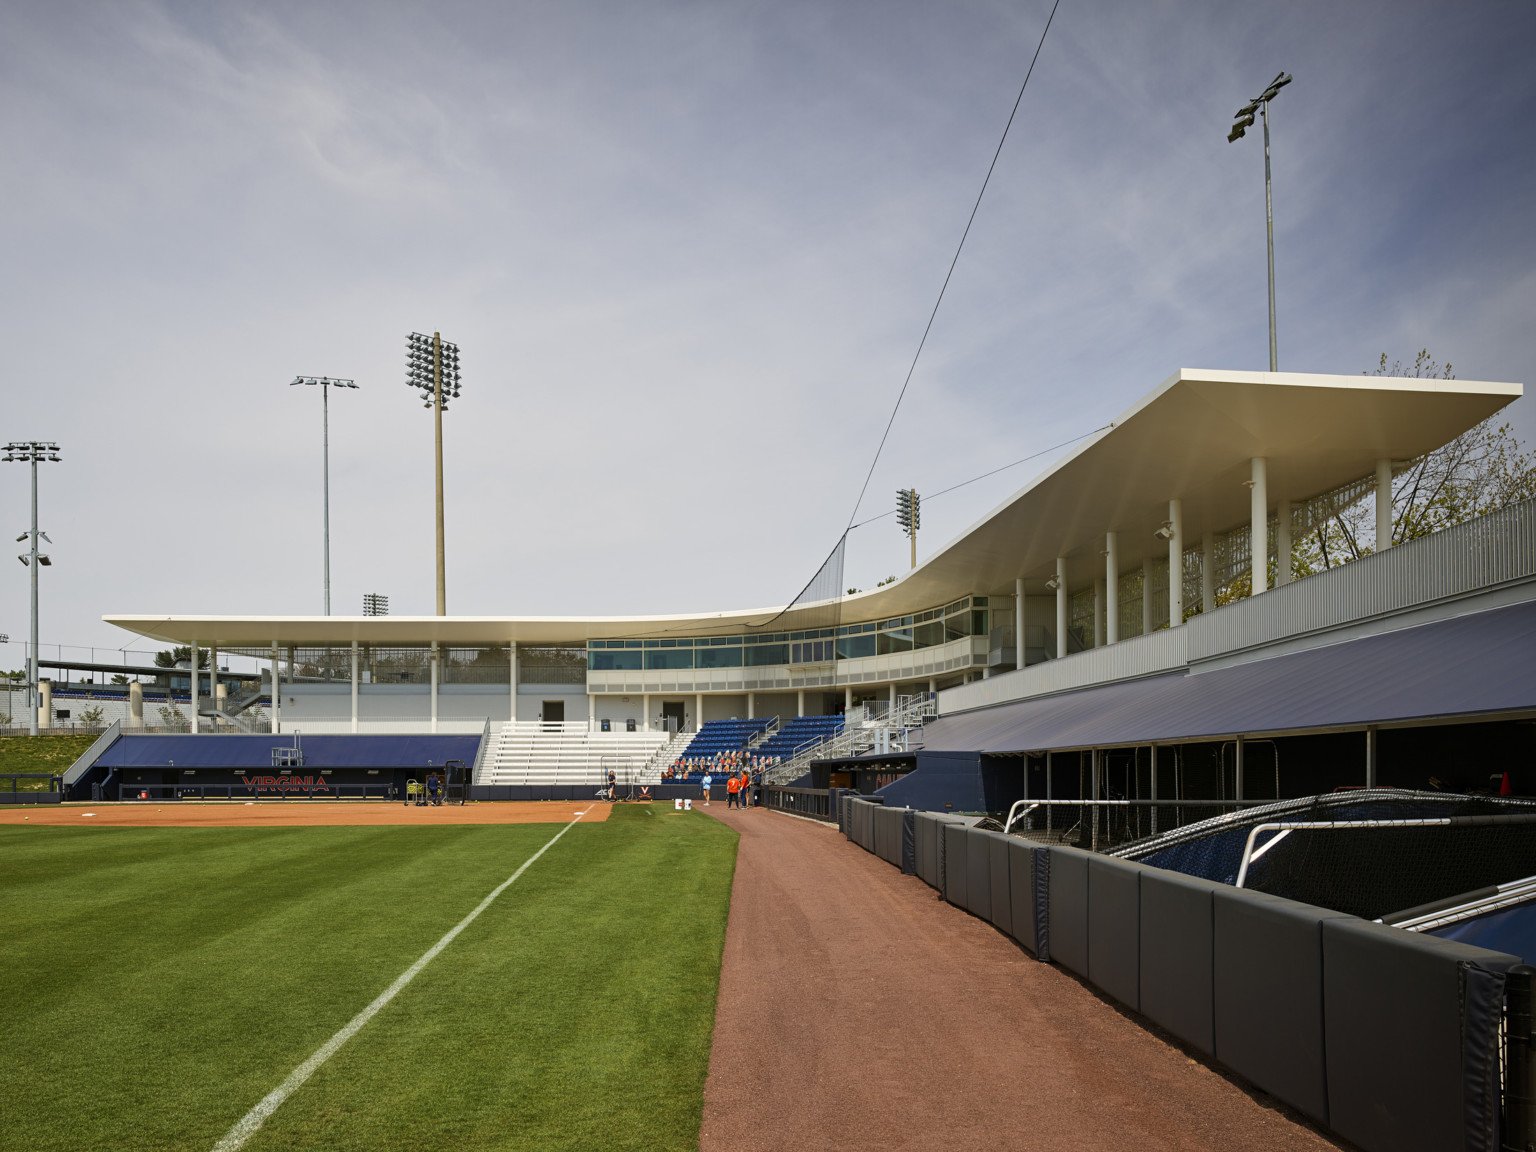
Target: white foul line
(269, 1104)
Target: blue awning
(1483, 663)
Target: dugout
(245, 767)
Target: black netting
(1369, 872)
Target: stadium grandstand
(1131, 624)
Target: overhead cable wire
(945, 286)
(994, 472)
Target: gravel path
(858, 1011)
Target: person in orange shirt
(744, 789)
(732, 787)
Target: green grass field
(39, 754)
(162, 981)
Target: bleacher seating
(796, 731)
(535, 752)
(718, 736)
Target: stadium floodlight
(32, 452)
(1243, 121)
(909, 514)
(375, 605)
(325, 383)
(432, 368)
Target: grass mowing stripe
(253, 1120)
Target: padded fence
(1388, 1037)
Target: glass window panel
(855, 647)
(615, 661)
(894, 642)
(767, 654)
(928, 635)
(669, 658)
(717, 658)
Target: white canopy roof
(1192, 439)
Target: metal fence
(815, 803)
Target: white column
(645, 712)
(1208, 573)
(1383, 505)
(1111, 587)
(1258, 514)
(354, 685)
(44, 703)
(591, 712)
(933, 685)
(1282, 542)
(1098, 611)
(1061, 607)
(1146, 594)
(193, 681)
(893, 695)
(213, 681)
(847, 700)
(136, 705)
(512, 676)
(1018, 622)
(277, 691)
(800, 703)
(752, 705)
(698, 711)
(433, 661)
(1175, 564)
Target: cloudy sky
(688, 250)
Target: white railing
(1162, 651)
(1481, 555)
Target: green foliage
(183, 973)
(52, 754)
(92, 716)
(184, 652)
(1484, 469)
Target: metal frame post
(1269, 232)
(1239, 769)
(1370, 755)
(33, 692)
(437, 419)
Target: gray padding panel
(978, 874)
(909, 842)
(1114, 928)
(1002, 898)
(1269, 994)
(1177, 939)
(1021, 891)
(1067, 913)
(954, 863)
(1392, 1011)
(920, 826)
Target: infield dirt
(302, 814)
(858, 1011)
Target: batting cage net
(1369, 853)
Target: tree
(1484, 469)
(93, 716)
(184, 652)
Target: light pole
(31, 452)
(326, 383)
(432, 368)
(909, 514)
(1244, 120)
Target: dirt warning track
(858, 1011)
(302, 813)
